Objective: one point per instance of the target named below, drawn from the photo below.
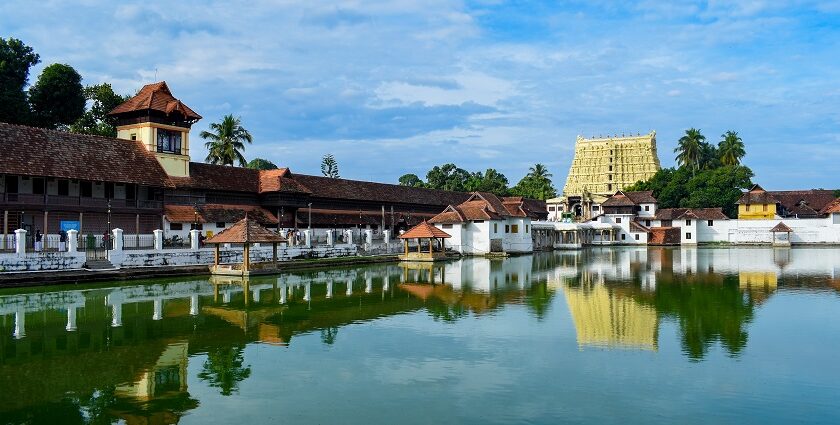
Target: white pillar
(329, 289)
(368, 284)
(307, 294)
(71, 319)
(116, 315)
(256, 296)
(20, 324)
(72, 240)
(194, 234)
(158, 309)
(282, 293)
(20, 242)
(194, 305)
(386, 236)
(226, 296)
(117, 238)
(307, 237)
(348, 236)
(349, 287)
(158, 239)
(369, 236)
(330, 238)
(385, 283)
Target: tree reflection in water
(224, 369)
(328, 335)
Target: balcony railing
(76, 201)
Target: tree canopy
(329, 166)
(96, 120)
(411, 180)
(15, 60)
(226, 142)
(536, 184)
(57, 99)
(731, 148)
(261, 164)
(690, 149)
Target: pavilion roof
(781, 227)
(424, 230)
(155, 97)
(246, 231)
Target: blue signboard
(70, 225)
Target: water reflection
(101, 354)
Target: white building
(485, 224)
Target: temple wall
(41, 262)
(605, 165)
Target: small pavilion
(244, 232)
(783, 229)
(424, 232)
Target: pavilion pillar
(431, 246)
(137, 230)
(246, 257)
(71, 319)
(216, 255)
(5, 228)
(46, 231)
(274, 253)
(282, 293)
(194, 305)
(405, 244)
(330, 289)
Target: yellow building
(603, 166)
(756, 204)
(603, 318)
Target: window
(11, 184)
(618, 220)
(609, 176)
(514, 228)
(637, 236)
(527, 228)
(623, 236)
(176, 226)
(596, 208)
(168, 141)
(647, 223)
(647, 207)
(133, 136)
(747, 207)
(609, 187)
(764, 207)
(221, 225)
(478, 221)
(710, 223)
(38, 186)
(63, 188)
(610, 167)
(551, 208)
(85, 189)
(197, 226)
(507, 228)
(495, 227)
(688, 236)
(688, 222)
(109, 190)
(130, 191)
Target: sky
(397, 86)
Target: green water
(610, 335)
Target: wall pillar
(386, 237)
(368, 284)
(194, 304)
(117, 244)
(307, 237)
(157, 314)
(349, 288)
(72, 240)
(116, 315)
(20, 324)
(307, 291)
(71, 319)
(369, 236)
(5, 228)
(348, 236)
(158, 234)
(330, 238)
(329, 289)
(20, 242)
(194, 234)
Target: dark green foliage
(411, 180)
(837, 193)
(731, 148)
(261, 164)
(224, 368)
(329, 166)
(690, 149)
(447, 177)
(15, 60)
(536, 184)
(490, 181)
(96, 120)
(57, 99)
(226, 142)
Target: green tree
(411, 180)
(261, 164)
(226, 142)
(689, 149)
(731, 148)
(720, 187)
(96, 120)
(15, 60)
(490, 181)
(57, 99)
(224, 368)
(536, 184)
(329, 166)
(447, 177)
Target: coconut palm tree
(731, 148)
(226, 142)
(689, 148)
(539, 171)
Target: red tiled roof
(155, 97)
(219, 177)
(424, 230)
(33, 151)
(781, 227)
(641, 196)
(215, 213)
(757, 195)
(618, 200)
(638, 228)
(246, 231)
(690, 213)
(627, 199)
(833, 207)
(280, 180)
(325, 187)
(479, 206)
(793, 200)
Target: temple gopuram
(603, 166)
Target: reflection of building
(603, 318)
(167, 376)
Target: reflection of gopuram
(603, 318)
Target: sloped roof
(641, 196)
(33, 151)
(618, 200)
(833, 207)
(219, 177)
(155, 97)
(246, 231)
(280, 180)
(638, 228)
(424, 230)
(325, 187)
(629, 198)
(690, 213)
(756, 195)
(479, 206)
(215, 213)
(795, 200)
(781, 227)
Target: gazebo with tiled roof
(421, 232)
(781, 228)
(245, 232)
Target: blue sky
(395, 86)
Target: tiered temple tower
(603, 166)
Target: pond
(603, 335)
